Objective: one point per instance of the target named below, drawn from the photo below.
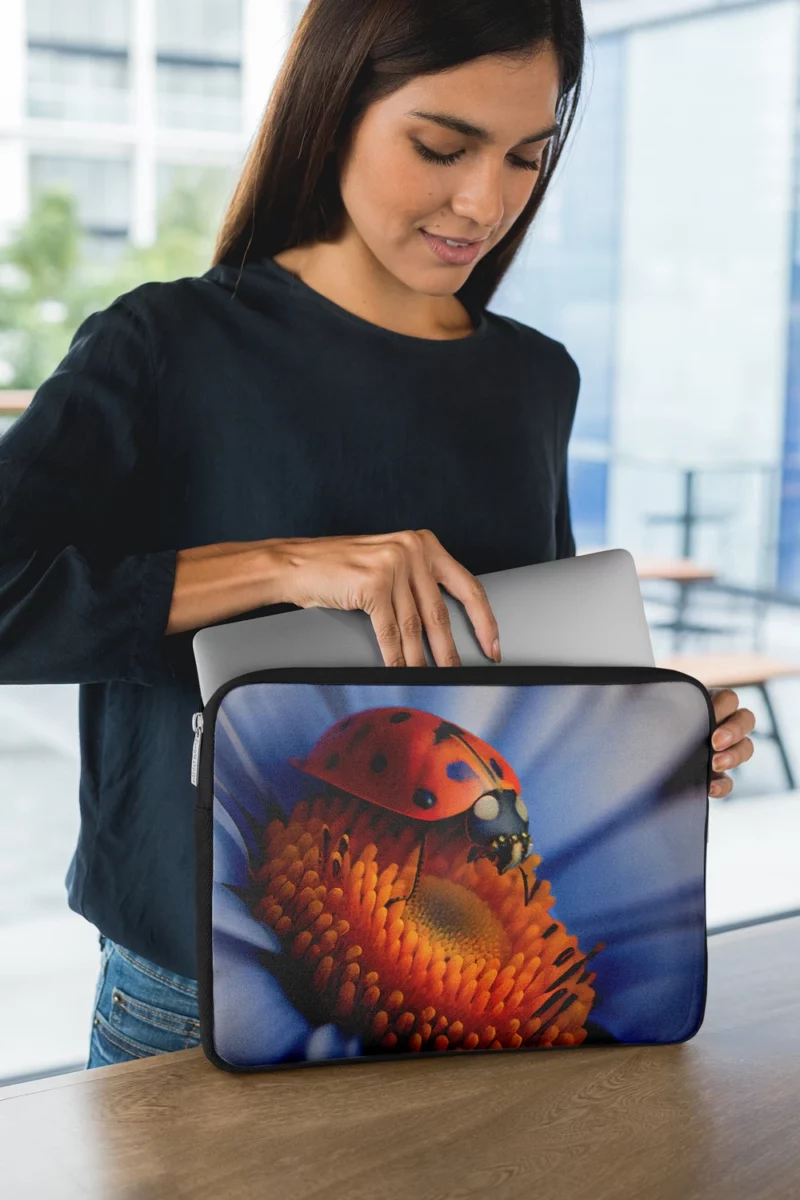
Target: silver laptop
(582, 611)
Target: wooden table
(736, 668)
(711, 1119)
(678, 570)
(13, 403)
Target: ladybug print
(422, 767)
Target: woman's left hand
(731, 744)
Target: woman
(329, 417)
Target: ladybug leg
(336, 858)
(339, 853)
(530, 890)
(417, 871)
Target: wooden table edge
(789, 921)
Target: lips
(454, 255)
(463, 241)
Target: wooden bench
(741, 669)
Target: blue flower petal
(328, 1041)
(230, 852)
(254, 1023)
(353, 1047)
(233, 918)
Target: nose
(480, 196)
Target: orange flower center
(417, 948)
(456, 919)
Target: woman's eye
(447, 160)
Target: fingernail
(721, 761)
(496, 650)
(714, 789)
(723, 738)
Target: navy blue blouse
(202, 411)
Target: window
(101, 187)
(88, 22)
(198, 64)
(78, 65)
(73, 86)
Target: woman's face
(393, 189)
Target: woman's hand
(729, 740)
(394, 578)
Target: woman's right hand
(394, 578)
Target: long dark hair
(345, 55)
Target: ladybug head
(497, 824)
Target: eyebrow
(448, 121)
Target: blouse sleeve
(81, 598)
(565, 539)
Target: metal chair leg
(679, 632)
(776, 734)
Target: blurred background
(666, 258)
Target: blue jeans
(140, 1009)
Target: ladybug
(416, 764)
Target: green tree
(50, 280)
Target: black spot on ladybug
(495, 765)
(378, 762)
(460, 771)
(346, 723)
(444, 731)
(395, 718)
(423, 798)
(333, 761)
(359, 735)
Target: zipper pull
(197, 726)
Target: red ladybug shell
(409, 761)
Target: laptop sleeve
(395, 862)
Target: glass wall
(666, 259)
(661, 259)
(566, 280)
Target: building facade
(119, 99)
